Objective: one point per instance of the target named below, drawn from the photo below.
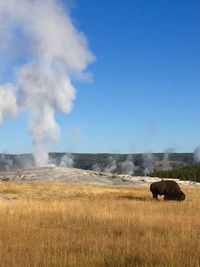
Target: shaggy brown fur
(170, 189)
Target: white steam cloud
(128, 166)
(6, 161)
(67, 161)
(96, 167)
(8, 103)
(112, 165)
(50, 51)
(165, 164)
(196, 155)
(148, 163)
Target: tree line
(191, 172)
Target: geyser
(42, 50)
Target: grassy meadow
(60, 224)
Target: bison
(170, 189)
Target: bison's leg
(166, 197)
(155, 195)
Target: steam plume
(148, 163)
(128, 166)
(8, 104)
(196, 155)
(165, 164)
(112, 165)
(6, 161)
(67, 161)
(51, 52)
(96, 167)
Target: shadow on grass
(131, 197)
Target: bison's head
(182, 196)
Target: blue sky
(145, 91)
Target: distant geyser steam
(148, 163)
(45, 50)
(196, 155)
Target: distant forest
(191, 172)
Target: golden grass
(58, 224)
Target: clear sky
(145, 91)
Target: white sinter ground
(64, 174)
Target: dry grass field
(59, 224)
